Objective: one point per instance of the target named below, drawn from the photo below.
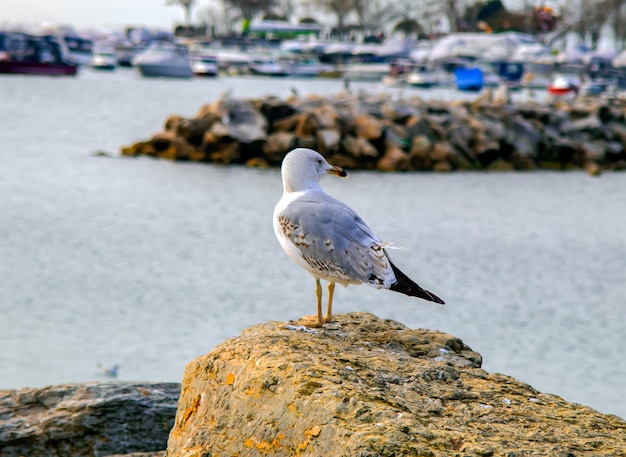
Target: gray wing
(335, 241)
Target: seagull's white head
(303, 168)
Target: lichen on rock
(364, 386)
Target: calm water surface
(150, 263)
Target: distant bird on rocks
(112, 371)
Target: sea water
(149, 263)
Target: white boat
(268, 66)
(80, 48)
(367, 71)
(164, 59)
(424, 80)
(104, 57)
(204, 65)
(308, 67)
(425, 77)
(232, 62)
(394, 81)
(422, 77)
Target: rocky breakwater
(378, 132)
(363, 386)
(87, 420)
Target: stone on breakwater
(87, 419)
(356, 131)
(363, 386)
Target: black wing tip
(435, 299)
(407, 286)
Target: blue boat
(469, 79)
(511, 72)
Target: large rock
(87, 420)
(363, 386)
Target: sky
(93, 13)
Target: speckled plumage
(332, 242)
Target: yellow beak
(337, 171)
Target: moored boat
(469, 79)
(204, 65)
(422, 77)
(268, 66)
(232, 61)
(79, 48)
(22, 53)
(308, 67)
(104, 57)
(564, 85)
(164, 59)
(373, 72)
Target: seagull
(112, 371)
(329, 239)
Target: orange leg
(329, 309)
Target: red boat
(563, 85)
(21, 53)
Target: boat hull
(562, 90)
(200, 68)
(274, 71)
(421, 81)
(205, 74)
(37, 68)
(164, 60)
(563, 85)
(469, 79)
(367, 72)
(163, 71)
(104, 66)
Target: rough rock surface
(87, 419)
(363, 386)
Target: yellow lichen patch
(249, 443)
(313, 432)
(253, 391)
(264, 446)
(190, 411)
(230, 378)
(276, 441)
(250, 390)
(302, 447)
(191, 451)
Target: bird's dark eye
(319, 161)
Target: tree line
(586, 18)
